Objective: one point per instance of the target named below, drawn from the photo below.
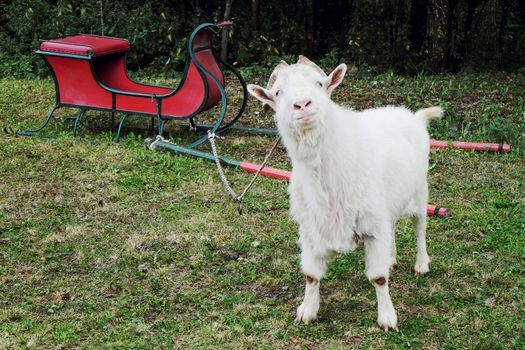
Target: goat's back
(393, 146)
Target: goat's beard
(301, 141)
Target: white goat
(354, 174)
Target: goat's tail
(427, 114)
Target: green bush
(406, 36)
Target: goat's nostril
(301, 105)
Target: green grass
(106, 245)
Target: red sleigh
(90, 74)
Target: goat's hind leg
(422, 258)
(378, 261)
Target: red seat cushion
(85, 45)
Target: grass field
(106, 245)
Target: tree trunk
(463, 45)
(314, 12)
(440, 26)
(505, 9)
(253, 19)
(449, 62)
(225, 31)
(418, 23)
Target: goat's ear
(335, 78)
(262, 95)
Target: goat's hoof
(385, 329)
(388, 321)
(421, 268)
(306, 313)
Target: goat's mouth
(305, 118)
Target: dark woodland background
(406, 36)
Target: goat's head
(298, 92)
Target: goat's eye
(320, 84)
(277, 92)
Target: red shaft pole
(267, 171)
(279, 174)
(434, 210)
(478, 146)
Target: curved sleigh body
(90, 74)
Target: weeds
(112, 245)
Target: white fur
(354, 174)
(307, 311)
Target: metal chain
(233, 195)
(152, 145)
(211, 138)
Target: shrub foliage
(404, 35)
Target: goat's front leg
(378, 252)
(314, 268)
(393, 254)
